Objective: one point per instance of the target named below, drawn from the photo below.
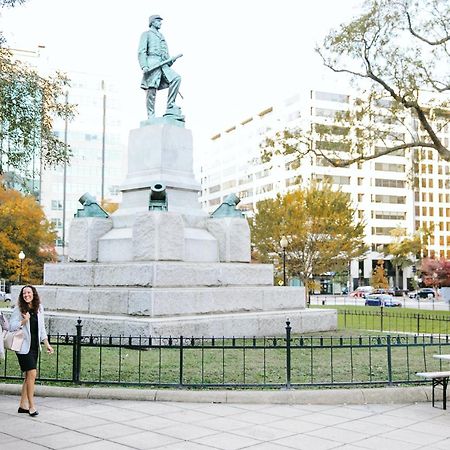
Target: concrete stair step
(159, 274)
(157, 302)
(264, 323)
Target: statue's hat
(152, 18)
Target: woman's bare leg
(24, 395)
(30, 380)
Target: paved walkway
(86, 423)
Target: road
(423, 304)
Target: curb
(385, 395)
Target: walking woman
(29, 315)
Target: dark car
(426, 293)
(397, 292)
(382, 300)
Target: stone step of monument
(159, 302)
(117, 246)
(158, 274)
(266, 323)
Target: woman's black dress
(29, 361)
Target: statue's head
(152, 18)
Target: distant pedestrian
(29, 315)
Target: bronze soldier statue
(158, 74)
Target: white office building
(388, 192)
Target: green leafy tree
(23, 226)
(397, 53)
(320, 226)
(403, 250)
(379, 279)
(29, 104)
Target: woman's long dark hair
(35, 303)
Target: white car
(4, 297)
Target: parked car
(397, 292)
(425, 293)
(383, 291)
(382, 300)
(362, 291)
(5, 297)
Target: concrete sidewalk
(88, 423)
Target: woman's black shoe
(33, 414)
(23, 410)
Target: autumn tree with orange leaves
(23, 226)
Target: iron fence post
(76, 361)
(381, 322)
(288, 354)
(389, 359)
(181, 361)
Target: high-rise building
(407, 189)
(96, 141)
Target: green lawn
(404, 320)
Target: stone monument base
(163, 298)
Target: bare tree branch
(418, 36)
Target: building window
(214, 201)
(246, 179)
(389, 215)
(215, 188)
(57, 205)
(263, 189)
(245, 194)
(393, 199)
(386, 167)
(229, 184)
(293, 181)
(331, 97)
(384, 231)
(381, 182)
(325, 112)
(56, 222)
(262, 174)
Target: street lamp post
(21, 257)
(284, 244)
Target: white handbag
(13, 340)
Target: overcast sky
(239, 55)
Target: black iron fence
(272, 362)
